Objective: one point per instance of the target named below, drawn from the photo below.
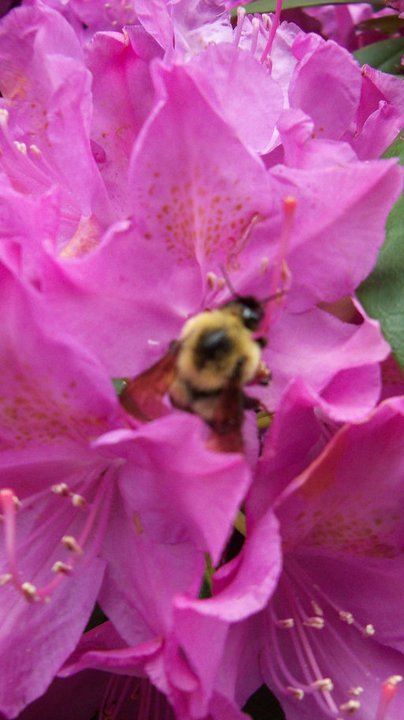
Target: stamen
(316, 607)
(343, 615)
(29, 590)
(356, 690)
(78, 501)
(324, 684)
(240, 22)
(3, 117)
(266, 20)
(314, 622)
(35, 150)
(21, 147)
(281, 273)
(61, 489)
(255, 28)
(369, 630)
(306, 654)
(351, 706)
(71, 544)
(102, 501)
(389, 690)
(321, 686)
(62, 567)
(5, 578)
(346, 617)
(285, 624)
(272, 32)
(9, 509)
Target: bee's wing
(227, 423)
(143, 396)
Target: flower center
(71, 510)
(302, 630)
(266, 25)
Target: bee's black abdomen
(212, 345)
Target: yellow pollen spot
(346, 617)
(297, 693)
(85, 239)
(137, 523)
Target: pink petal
(180, 489)
(331, 66)
(195, 203)
(337, 361)
(340, 238)
(241, 90)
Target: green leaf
(261, 6)
(386, 24)
(382, 293)
(396, 149)
(118, 384)
(384, 55)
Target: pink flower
(212, 203)
(77, 484)
(331, 633)
(95, 16)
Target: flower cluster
(153, 154)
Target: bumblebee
(205, 370)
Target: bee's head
(252, 312)
(249, 309)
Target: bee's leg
(228, 416)
(263, 375)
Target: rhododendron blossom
(333, 640)
(159, 158)
(69, 465)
